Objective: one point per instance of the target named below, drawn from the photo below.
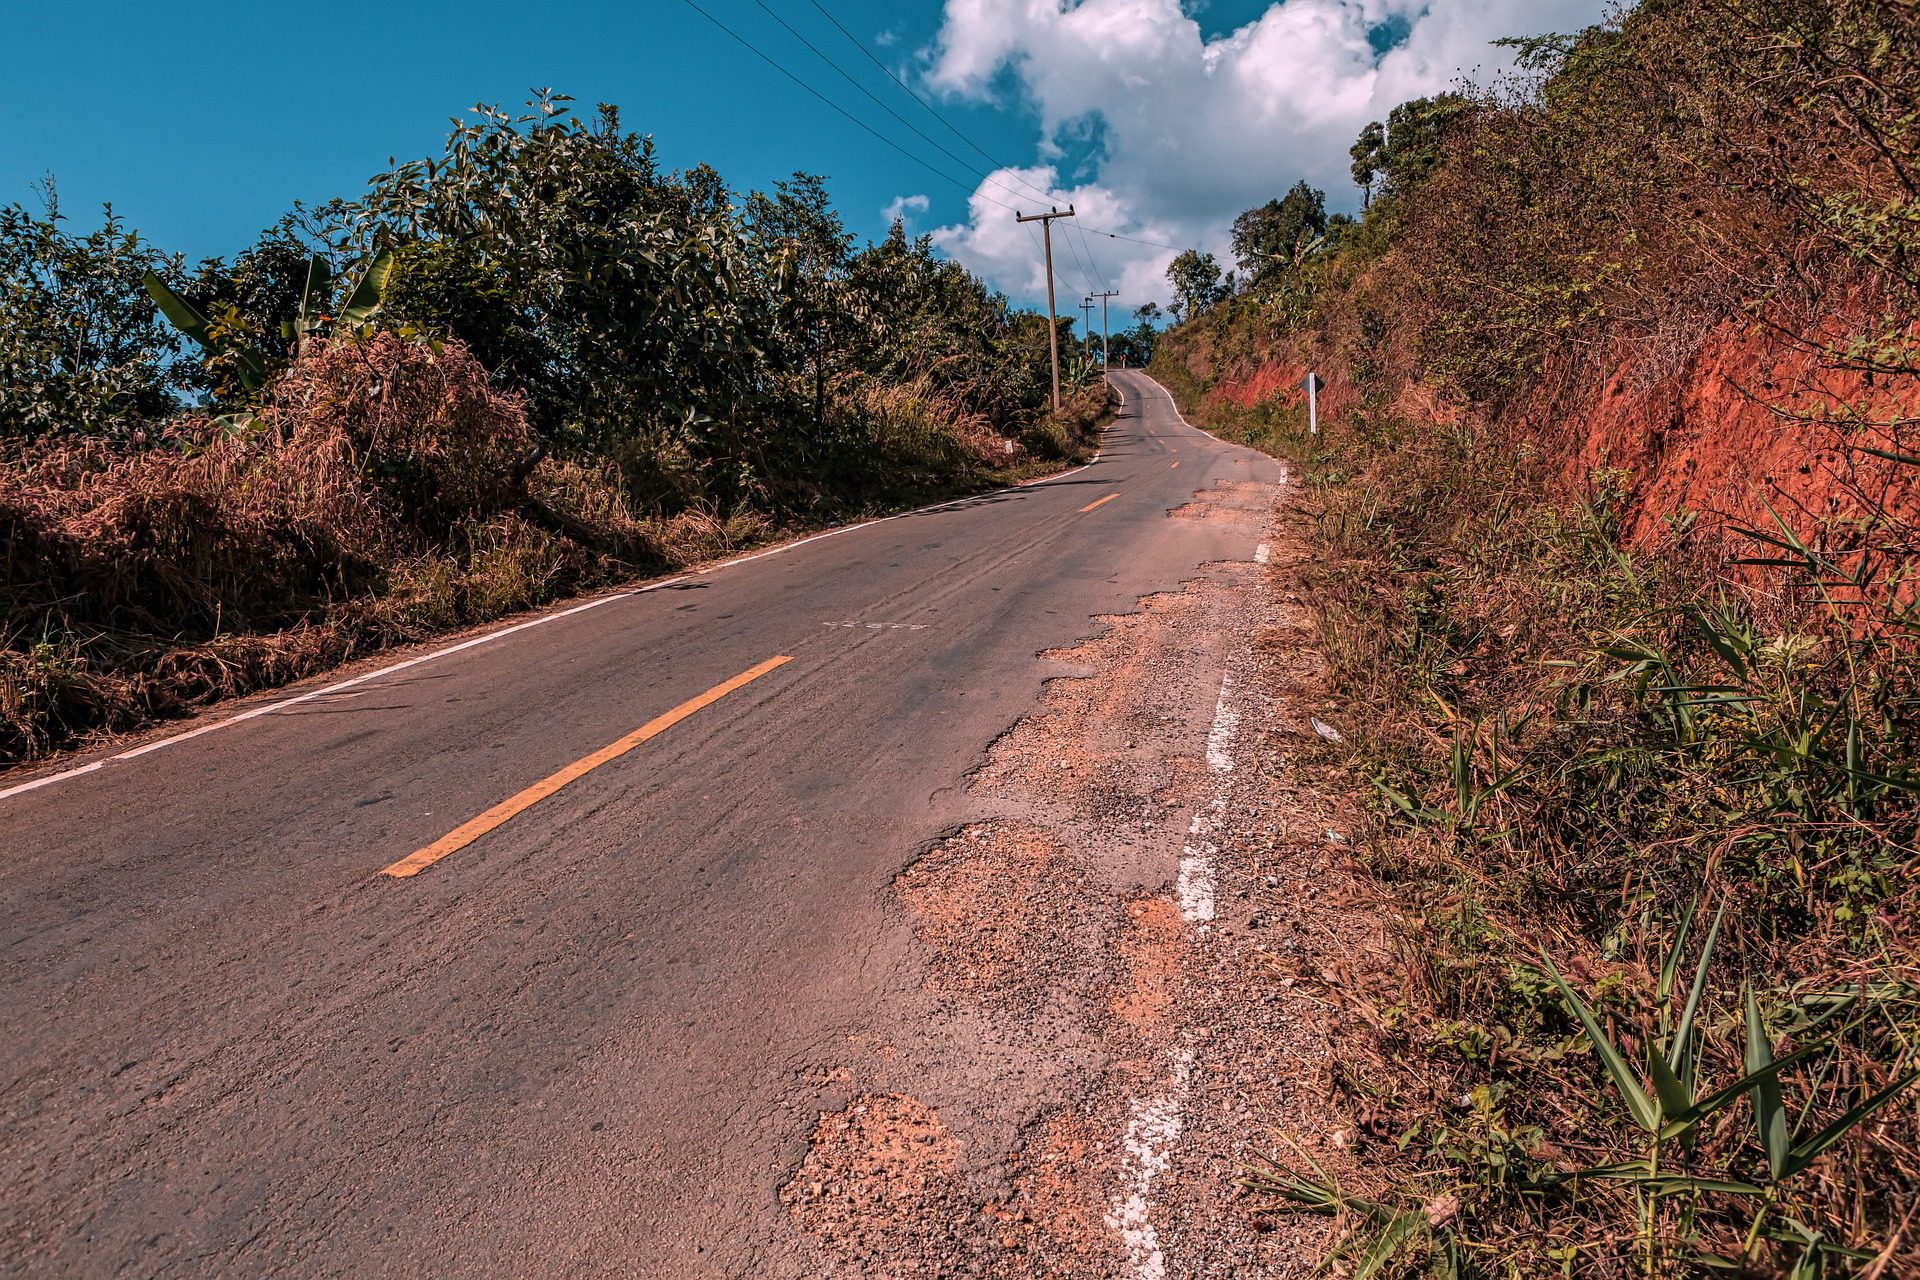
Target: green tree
(83, 350)
(626, 299)
(1368, 160)
(1133, 347)
(1196, 282)
(1269, 238)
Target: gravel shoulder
(1156, 898)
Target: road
(589, 1039)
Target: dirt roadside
(1159, 868)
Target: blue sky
(201, 123)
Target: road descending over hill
(526, 958)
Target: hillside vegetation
(1615, 502)
(530, 365)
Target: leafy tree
(253, 303)
(82, 347)
(626, 298)
(801, 248)
(1368, 154)
(1196, 282)
(1395, 158)
(1271, 237)
(1134, 347)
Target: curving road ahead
(585, 1035)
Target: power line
(955, 130)
(931, 110)
(1093, 262)
(751, 48)
(942, 174)
(1086, 276)
(968, 165)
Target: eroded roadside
(1157, 896)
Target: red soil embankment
(1270, 379)
(1749, 422)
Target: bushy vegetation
(530, 364)
(1645, 807)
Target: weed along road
(537, 957)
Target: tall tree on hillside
(1195, 278)
(1368, 159)
(1394, 158)
(1274, 235)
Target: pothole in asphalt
(878, 1182)
(1004, 912)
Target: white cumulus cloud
(1192, 130)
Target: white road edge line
(503, 632)
(1285, 473)
(1145, 1153)
(1154, 1123)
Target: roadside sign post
(1312, 384)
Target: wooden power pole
(1053, 326)
(1086, 323)
(1111, 293)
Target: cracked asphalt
(595, 1039)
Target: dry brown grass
(385, 492)
(372, 500)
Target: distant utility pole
(1053, 326)
(1086, 323)
(1111, 293)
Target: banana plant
(189, 320)
(356, 313)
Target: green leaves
(1770, 1117)
(184, 316)
(369, 292)
(1643, 1107)
(1667, 1108)
(252, 365)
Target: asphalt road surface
(583, 1036)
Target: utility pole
(1111, 293)
(1053, 326)
(1086, 323)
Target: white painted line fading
(501, 634)
(1226, 719)
(1193, 887)
(1146, 1151)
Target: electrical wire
(954, 129)
(1081, 260)
(930, 108)
(967, 165)
(929, 167)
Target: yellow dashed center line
(467, 832)
(1176, 463)
(1097, 501)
